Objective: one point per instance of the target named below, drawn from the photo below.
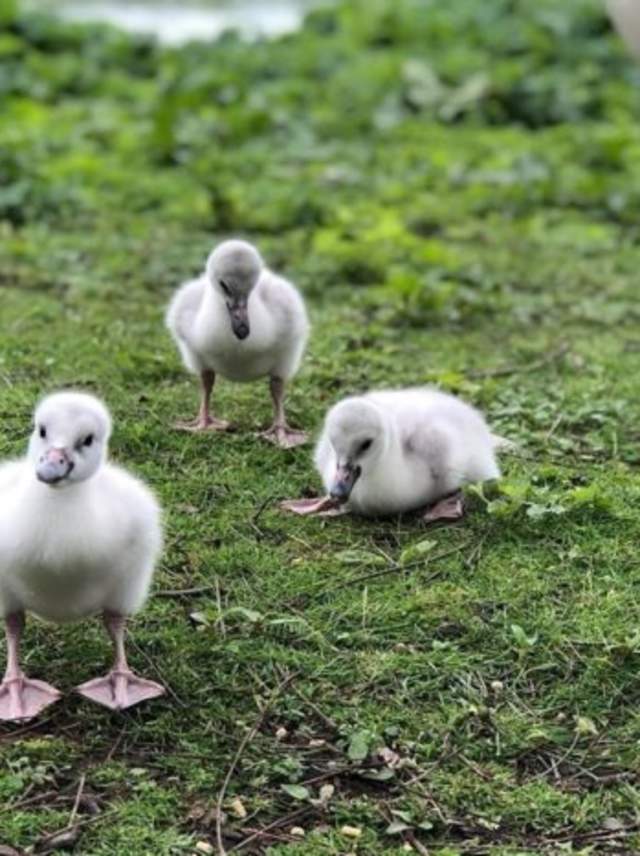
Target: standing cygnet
(396, 451)
(77, 535)
(242, 321)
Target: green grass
(457, 195)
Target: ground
(454, 188)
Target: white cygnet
(77, 536)
(400, 450)
(240, 320)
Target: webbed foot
(284, 437)
(449, 508)
(200, 424)
(23, 698)
(323, 506)
(120, 689)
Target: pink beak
(54, 466)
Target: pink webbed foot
(449, 508)
(284, 437)
(120, 689)
(23, 698)
(323, 506)
(208, 423)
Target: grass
(454, 192)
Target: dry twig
(236, 758)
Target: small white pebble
(297, 832)
(237, 807)
(204, 847)
(315, 743)
(326, 792)
(351, 831)
(497, 686)
(281, 733)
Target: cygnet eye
(225, 288)
(88, 440)
(364, 446)
(43, 432)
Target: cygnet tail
(502, 444)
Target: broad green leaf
(402, 815)
(359, 745)
(384, 774)
(521, 638)
(249, 615)
(297, 792)
(416, 551)
(360, 557)
(396, 827)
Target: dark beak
(345, 478)
(239, 313)
(54, 466)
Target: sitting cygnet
(77, 536)
(242, 321)
(397, 451)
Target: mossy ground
(456, 191)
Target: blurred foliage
(83, 105)
(337, 136)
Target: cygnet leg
(280, 433)
(449, 508)
(204, 421)
(120, 688)
(21, 697)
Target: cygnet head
(356, 430)
(70, 436)
(234, 268)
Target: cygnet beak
(54, 466)
(239, 313)
(345, 478)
